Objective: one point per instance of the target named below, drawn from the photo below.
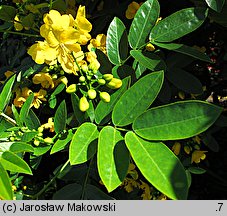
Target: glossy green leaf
(62, 141)
(142, 23)
(41, 150)
(137, 99)
(14, 163)
(75, 104)
(53, 99)
(84, 143)
(178, 24)
(7, 13)
(91, 111)
(6, 192)
(149, 60)
(116, 42)
(69, 192)
(179, 120)
(104, 109)
(16, 116)
(113, 158)
(105, 64)
(6, 93)
(26, 107)
(17, 147)
(210, 141)
(140, 69)
(184, 81)
(184, 49)
(159, 166)
(216, 5)
(60, 117)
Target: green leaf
(175, 121)
(75, 104)
(116, 42)
(113, 158)
(159, 166)
(32, 122)
(6, 192)
(40, 150)
(91, 111)
(17, 147)
(7, 13)
(104, 109)
(149, 60)
(140, 69)
(94, 193)
(6, 93)
(84, 143)
(53, 100)
(28, 21)
(14, 163)
(184, 81)
(184, 49)
(69, 192)
(137, 99)
(142, 23)
(196, 170)
(178, 24)
(60, 117)
(26, 108)
(16, 116)
(216, 5)
(28, 136)
(62, 141)
(105, 64)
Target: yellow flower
(17, 24)
(150, 47)
(91, 57)
(99, 42)
(132, 9)
(49, 125)
(146, 195)
(187, 149)
(176, 148)
(39, 97)
(44, 79)
(7, 74)
(129, 184)
(197, 156)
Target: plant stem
(20, 33)
(51, 4)
(12, 121)
(86, 179)
(51, 181)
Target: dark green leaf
(216, 5)
(210, 142)
(6, 192)
(84, 143)
(113, 158)
(53, 100)
(196, 170)
(142, 23)
(16, 116)
(137, 99)
(104, 109)
(40, 150)
(7, 13)
(17, 147)
(60, 117)
(184, 81)
(105, 64)
(116, 42)
(6, 93)
(178, 24)
(32, 122)
(69, 192)
(149, 60)
(75, 104)
(62, 141)
(28, 136)
(28, 20)
(159, 166)
(91, 111)
(184, 49)
(175, 121)
(14, 163)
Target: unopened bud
(114, 83)
(108, 77)
(71, 89)
(83, 104)
(105, 97)
(101, 82)
(82, 79)
(91, 94)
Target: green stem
(12, 121)
(20, 33)
(122, 129)
(86, 179)
(51, 181)
(51, 4)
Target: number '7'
(221, 204)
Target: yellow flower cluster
(132, 9)
(64, 36)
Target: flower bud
(150, 47)
(48, 140)
(105, 97)
(82, 79)
(84, 68)
(91, 94)
(36, 142)
(71, 89)
(176, 148)
(64, 80)
(187, 149)
(101, 82)
(83, 104)
(114, 83)
(108, 77)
